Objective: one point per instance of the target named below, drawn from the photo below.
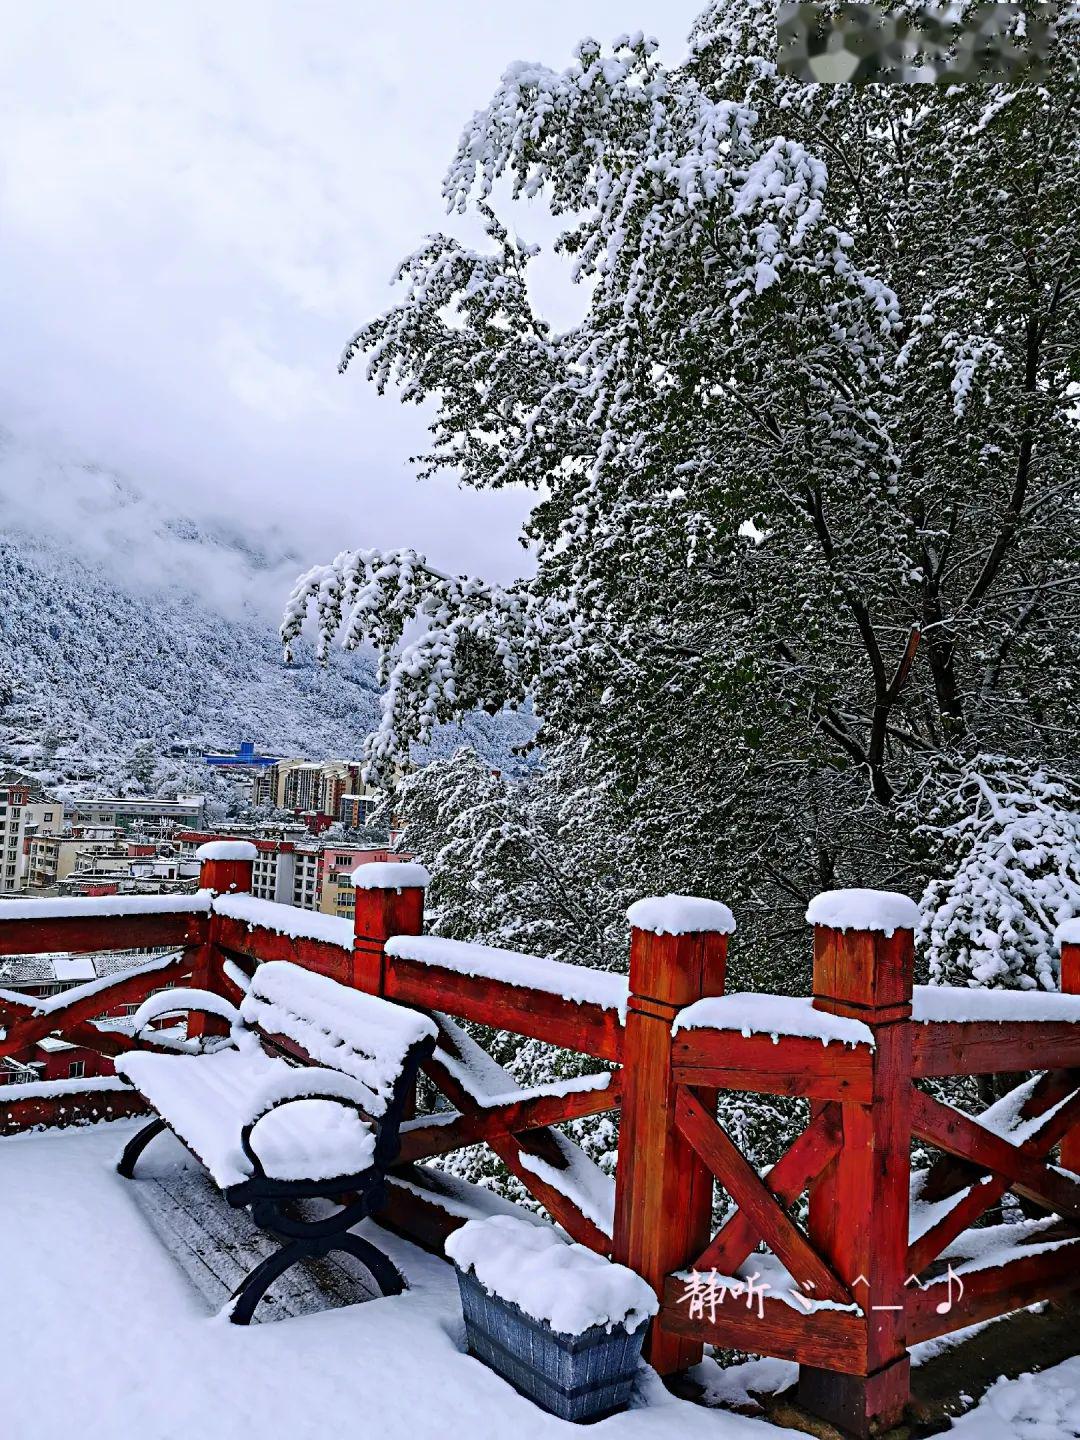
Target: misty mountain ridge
(111, 635)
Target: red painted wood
(975, 1047)
(802, 1162)
(422, 1141)
(995, 1291)
(586, 1028)
(858, 970)
(859, 1203)
(236, 940)
(929, 1245)
(663, 1196)
(739, 1178)
(957, 1134)
(226, 877)
(83, 1107)
(223, 877)
(793, 1065)
(1070, 985)
(380, 914)
(87, 934)
(128, 988)
(832, 1338)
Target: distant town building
(295, 869)
(128, 811)
(246, 758)
(24, 813)
(316, 788)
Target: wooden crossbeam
(833, 1339)
(84, 934)
(958, 1134)
(756, 1200)
(727, 1060)
(510, 1147)
(803, 1161)
(992, 1047)
(129, 986)
(422, 1141)
(993, 1291)
(982, 1197)
(586, 1027)
(947, 1174)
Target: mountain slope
(88, 668)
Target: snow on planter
(391, 875)
(883, 911)
(1068, 933)
(559, 1322)
(681, 915)
(226, 850)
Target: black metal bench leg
(385, 1273)
(137, 1144)
(249, 1292)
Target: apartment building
(336, 893)
(310, 873)
(316, 788)
(24, 813)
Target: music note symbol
(944, 1306)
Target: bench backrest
(331, 1024)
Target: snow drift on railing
(390, 875)
(64, 907)
(775, 1015)
(286, 919)
(576, 983)
(227, 850)
(959, 1003)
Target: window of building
(77, 1069)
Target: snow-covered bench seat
(303, 1099)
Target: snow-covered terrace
(114, 1325)
(113, 1334)
(115, 1288)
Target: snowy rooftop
(119, 1313)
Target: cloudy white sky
(200, 201)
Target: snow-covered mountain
(111, 632)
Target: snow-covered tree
(807, 524)
(1006, 841)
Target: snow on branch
(470, 648)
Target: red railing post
(389, 901)
(1069, 939)
(225, 868)
(663, 1190)
(863, 969)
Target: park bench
(302, 1100)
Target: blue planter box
(577, 1377)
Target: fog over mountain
(125, 619)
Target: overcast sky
(200, 201)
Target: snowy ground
(106, 1333)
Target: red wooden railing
(870, 1273)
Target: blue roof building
(245, 757)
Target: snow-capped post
(225, 868)
(389, 901)
(863, 969)
(663, 1190)
(1068, 938)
